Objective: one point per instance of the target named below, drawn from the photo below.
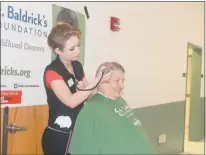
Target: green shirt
(106, 126)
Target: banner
(24, 52)
(25, 27)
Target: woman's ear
(58, 51)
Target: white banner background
(23, 59)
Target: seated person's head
(115, 85)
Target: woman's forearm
(80, 96)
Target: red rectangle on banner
(11, 96)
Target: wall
(153, 38)
(152, 46)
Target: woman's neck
(67, 64)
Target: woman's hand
(106, 77)
(80, 84)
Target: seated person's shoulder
(96, 101)
(122, 100)
(90, 109)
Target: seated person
(106, 125)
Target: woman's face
(71, 51)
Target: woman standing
(63, 99)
